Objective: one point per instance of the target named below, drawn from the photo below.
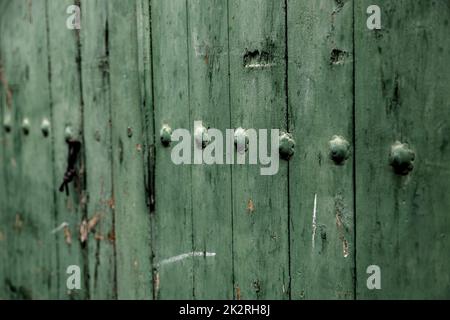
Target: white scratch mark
(184, 256)
(259, 65)
(61, 226)
(156, 282)
(314, 222)
(345, 248)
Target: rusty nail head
(241, 140)
(165, 135)
(68, 134)
(339, 149)
(45, 127)
(201, 137)
(401, 158)
(26, 126)
(287, 146)
(7, 123)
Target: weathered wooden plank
(10, 83)
(173, 234)
(3, 215)
(31, 206)
(97, 131)
(132, 220)
(402, 77)
(260, 203)
(320, 76)
(67, 124)
(145, 72)
(211, 184)
(4, 232)
(3, 239)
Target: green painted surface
(320, 106)
(29, 220)
(97, 130)
(67, 108)
(402, 78)
(260, 203)
(142, 227)
(132, 220)
(210, 185)
(173, 203)
(3, 215)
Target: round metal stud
(339, 149)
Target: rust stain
(250, 206)
(2, 236)
(67, 235)
(93, 221)
(111, 203)
(18, 223)
(5, 85)
(344, 294)
(112, 235)
(156, 282)
(238, 293)
(87, 226)
(345, 247)
(339, 207)
(99, 237)
(83, 231)
(338, 221)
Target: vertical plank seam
(190, 168)
(52, 137)
(354, 151)
(140, 34)
(115, 294)
(152, 159)
(83, 209)
(5, 183)
(231, 167)
(286, 85)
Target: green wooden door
(365, 188)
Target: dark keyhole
(74, 149)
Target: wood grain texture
(10, 83)
(67, 112)
(320, 73)
(3, 182)
(402, 77)
(311, 68)
(173, 203)
(132, 220)
(97, 130)
(30, 219)
(211, 184)
(3, 215)
(5, 171)
(260, 203)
